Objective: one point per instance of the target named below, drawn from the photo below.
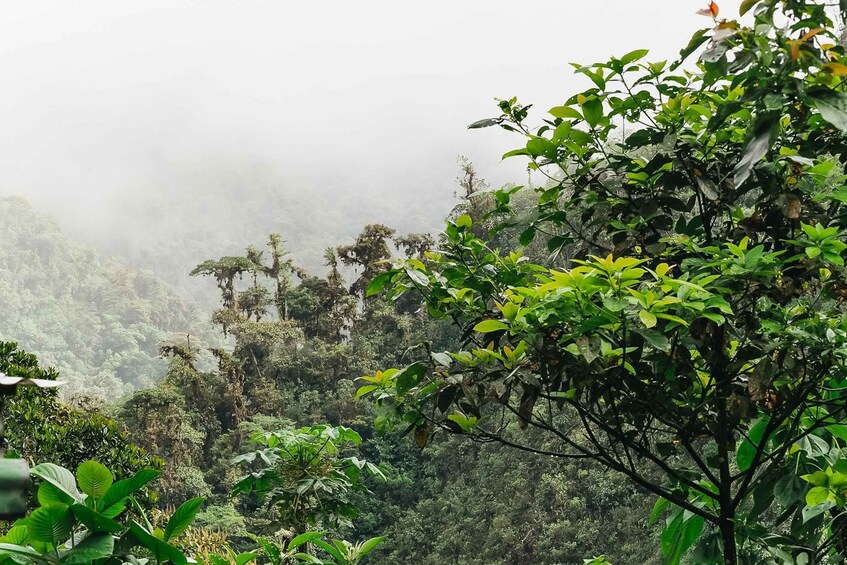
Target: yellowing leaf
(836, 68)
(811, 34)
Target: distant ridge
(97, 321)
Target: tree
(304, 478)
(473, 196)
(368, 253)
(42, 429)
(695, 342)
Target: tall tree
(367, 255)
(696, 341)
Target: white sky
(377, 93)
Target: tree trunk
(724, 439)
(730, 549)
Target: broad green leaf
(51, 524)
(332, 550)
(746, 5)
(541, 147)
(93, 547)
(409, 377)
(565, 112)
(747, 450)
(527, 236)
(592, 109)
(659, 507)
(94, 521)
(679, 535)
(17, 535)
(379, 283)
(162, 551)
(656, 339)
(247, 557)
(465, 423)
(818, 478)
(21, 554)
(647, 318)
(59, 477)
(833, 108)
(818, 495)
(633, 56)
(464, 221)
(762, 132)
(182, 517)
(122, 489)
(838, 430)
(487, 326)
(303, 538)
(789, 489)
(306, 558)
(94, 479)
(48, 493)
(363, 390)
(369, 545)
(810, 512)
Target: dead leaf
(791, 206)
(711, 11)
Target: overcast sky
(377, 93)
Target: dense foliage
(664, 317)
(42, 429)
(95, 320)
(694, 341)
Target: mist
(124, 120)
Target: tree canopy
(694, 338)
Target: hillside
(181, 213)
(96, 321)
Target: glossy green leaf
(369, 545)
(182, 517)
(21, 554)
(48, 493)
(59, 477)
(409, 377)
(817, 495)
(379, 283)
(647, 318)
(565, 112)
(633, 56)
(50, 524)
(487, 326)
(303, 538)
(90, 549)
(759, 143)
(833, 108)
(94, 479)
(162, 551)
(122, 489)
(747, 450)
(94, 521)
(592, 110)
(680, 535)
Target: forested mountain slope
(187, 211)
(96, 321)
